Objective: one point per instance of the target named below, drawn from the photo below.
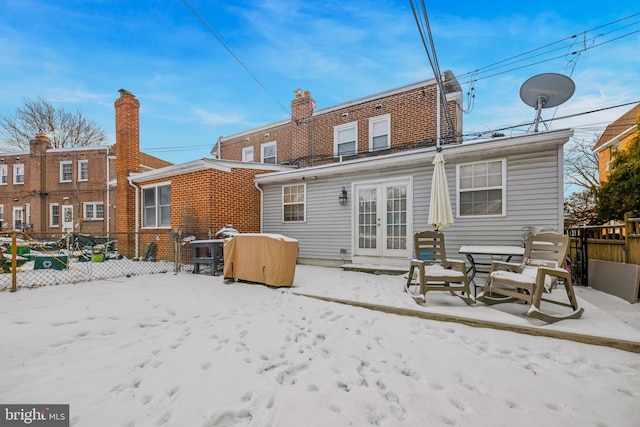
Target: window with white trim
(83, 170)
(1, 212)
(66, 171)
(18, 174)
(345, 139)
(268, 152)
(4, 175)
(481, 188)
(379, 132)
(294, 202)
(54, 215)
(94, 210)
(247, 154)
(156, 206)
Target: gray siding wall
(534, 194)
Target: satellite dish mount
(546, 91)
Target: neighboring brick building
(56, 191)
(616, 137)
(48, 190)
(395, 120)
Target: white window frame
(336, 141)
(374, 120)
(16, 169)
(156, 207)
(80, 163)
(480, 188)
(275, 152)
(4, 175)
(94, 211)
(247, 154)
(296, 202)
(1, 212)
(64, 163)
(53, 224)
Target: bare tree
(40, 117)
(581, 171)
(581, 165)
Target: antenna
(546, 91)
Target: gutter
(261, 204)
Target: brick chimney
(40, 144)
(38, 178)
(127, 151)
(302, 108)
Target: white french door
(382, 218)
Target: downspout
(137, 213)
(108, 198)
(261, 202)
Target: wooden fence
(615, 243)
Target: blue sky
(77, 54)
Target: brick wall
(202, 202)
(308, 139)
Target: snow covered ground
(190, 350)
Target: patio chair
(539, 272)
(434, 271)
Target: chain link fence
(32, 260)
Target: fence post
(585, 257)
(14, 262)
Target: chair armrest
(459, 264)
(555, 271)
(503, 265)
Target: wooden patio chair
(434, 271)
(539, 272)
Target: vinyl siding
(534, 194)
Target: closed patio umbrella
(440, 215)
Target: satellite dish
(546, 91)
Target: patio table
(207, 252)
(493, 251)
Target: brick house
(616, 137)
(362, 178)
(56, 191)
(395, 120)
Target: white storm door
(67, 218)
(382, 219)
(18, 217)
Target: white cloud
(211, 118)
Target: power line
(510, 60)
(479, 134)
(212, 30)
(433, 59)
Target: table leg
(472, 274)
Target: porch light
(342, 198)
